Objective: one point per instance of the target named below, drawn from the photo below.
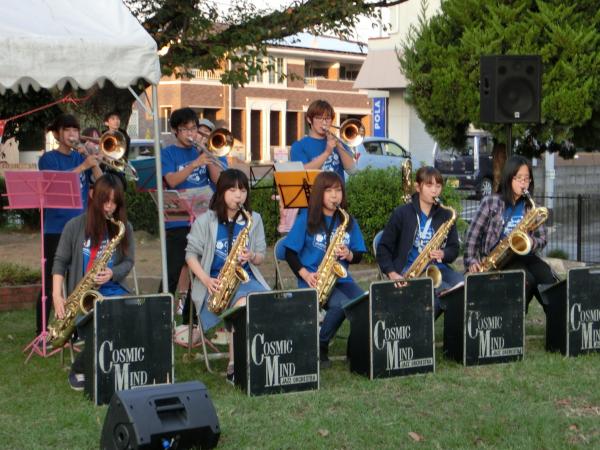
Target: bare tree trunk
(498, 160)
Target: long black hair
(228, 179)
(511, 167)
(324, 181)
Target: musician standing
(411, 227)
(210, 241)
(497, 217)
(65, 129)
(185, 166)
(306, 245)
(84, 239)
(320, 149)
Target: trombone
(219, 143)
(112, 147)
(352, 133)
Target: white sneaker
(180, 307)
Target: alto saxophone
(422, 263)
(232, 273)
(84, 295)
(518, 241)
(330, 268)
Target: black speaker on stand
(168, 416)
(510, 91)
(510, 88)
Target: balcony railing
(198, 74)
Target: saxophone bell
(434, 273)
(86, 304)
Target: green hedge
(374, 193)
(141, 210)
(15, 274)
(372, 196)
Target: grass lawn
(544, 402)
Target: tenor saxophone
(330, 268)
(84, 295)
(232, 273)
(518, 241)
(422, 263)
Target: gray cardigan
(201, 245)
(69, 254)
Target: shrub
(141, 210)
(558, 253)
(374, 193)
(261, 202)
(14, 274)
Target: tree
(196, 34)
(441, 61)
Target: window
(349, 71)
(165, 115)
(276, 71)
(373, 148)
(392, 149)
(270, 75)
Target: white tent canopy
(45, 43)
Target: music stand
(29, 189)
(255, 179)
(146, 170)
(294, 186)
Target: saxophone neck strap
(330, 228)
(93, 254)
(422, 232)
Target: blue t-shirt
(311, 248)
(222, 247)
(422, 237)
(308, 148)
(175, 158)
(110, 288)
(56, 218)
(511, 217)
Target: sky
(363, 32)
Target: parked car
(469, 167)
(141, 148)
(380, 153)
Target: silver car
(380, 153)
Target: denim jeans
(342, 293)
(450, 278)
(210, 319)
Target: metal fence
(573, 227)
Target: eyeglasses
(188, 130)
(522, 179)
(323, 118)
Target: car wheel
(485, 187)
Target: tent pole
(159, 191)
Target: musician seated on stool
(212, 237)
(185, 165)
(307, 244)
(83, 243)
(498, 215)
(410, 229)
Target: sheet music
(289, 166)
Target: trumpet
(219, 143)
(352, 133)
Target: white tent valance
(44, 43)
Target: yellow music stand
(294, 186)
